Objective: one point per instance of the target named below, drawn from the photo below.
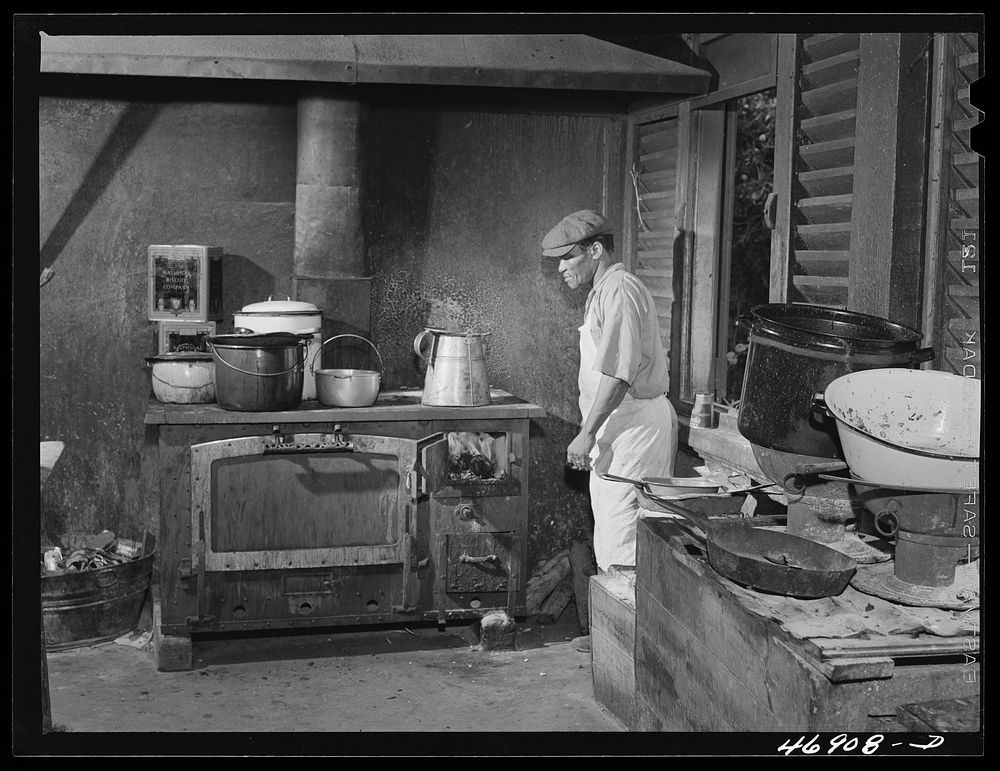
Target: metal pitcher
(456, 368)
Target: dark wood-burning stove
(322, 517)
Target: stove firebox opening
(477, 456)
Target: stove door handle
(310, 448)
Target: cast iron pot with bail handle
(795, 351)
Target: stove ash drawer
(478, 562)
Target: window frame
(704, 278)
(889, 278)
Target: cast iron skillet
(767, 560)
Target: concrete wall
(457, 201)
(119, 171)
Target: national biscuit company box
(185, 282)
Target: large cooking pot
(286, 316)
(908, 428)
(259, 373)
(182, 377)
(796, 351)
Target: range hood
(562, 62)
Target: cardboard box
(185, 282)
(184, 335)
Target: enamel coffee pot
(456, 368)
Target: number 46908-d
(843, 743)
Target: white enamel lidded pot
(286, 316)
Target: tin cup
(701, 412)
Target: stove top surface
(399, 404)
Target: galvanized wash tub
(94, 606)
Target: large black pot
(795, 352)
(259, 373)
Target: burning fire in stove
(472, 457)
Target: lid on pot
(832, 328)
(264, 340)
(837, 323)
(180, 356)
(284, 307)
(458, 332)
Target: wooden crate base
(704, 661)
(612, 639)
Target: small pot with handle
(347, 387)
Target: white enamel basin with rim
(909, 427)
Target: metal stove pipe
(329, 265)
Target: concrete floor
(417, 679)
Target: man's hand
(578, 452)
(610, 392)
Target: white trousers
(639, 439)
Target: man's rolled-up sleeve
(619, 352)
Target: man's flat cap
(571, 230)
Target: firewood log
(545, 567)
(541, 584)
(556, 602)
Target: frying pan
(647, 485)
(767, 560)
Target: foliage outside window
(751, 239)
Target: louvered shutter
(652, 220)
(962, 338)
(822, 174)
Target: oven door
(309, 500)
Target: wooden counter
(713, 656)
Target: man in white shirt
(628, 428)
